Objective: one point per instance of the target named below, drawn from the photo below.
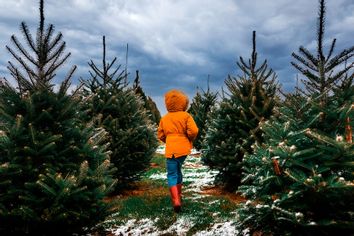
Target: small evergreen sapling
(235, 126)
(110, 104)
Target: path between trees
(146, 209)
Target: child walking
(178, 130)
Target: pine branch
(54, 62)
(243, 64)
(331, 50)
(22, 50)
(51, 76)
(299, 68)
(115, 72)
(61, 62)
(270, 72)
(92, 75)
(78, 89)
(48, 35)
(310, 87)
(303, 92)
(96, 69)
(310, 57)
(254, 53)
(28, 36)
(19, 59)
(22, 82)
(41, 12)
(57, 53)
(314, 78)
(340, 58)
(54, 42)
(104, 62)
(261, 68)
(66, 83)
(303, 61)
(112, 63)
(320, 29)
(338, 76)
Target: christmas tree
(235, 125)
(201, 107)
(149, 104)
(300, 182)
(54, 172)
(109, 103)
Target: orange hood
(176, 100)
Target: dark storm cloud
(177, 44)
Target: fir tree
(54, 172)
(110, 104)
(235, 125)
(300, 182)
(201, 107)
(149, 104)
(38, 69)
(322, 73)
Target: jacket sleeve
(160, 132)
(192, 129)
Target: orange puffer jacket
(177, 128)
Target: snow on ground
(161, 176)
(136, 227)
(180, 227)
(200, 180)
(225, 228)
(197, 176)
(146, 227)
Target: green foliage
(110, 104)
(149, 104)
(312, 191)
(54, 171)
(200, 109)
(300, 182)
(235, 125)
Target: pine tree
(235, 125)
(149, 104)
(54, 171)
(112, 105)
(201, 107)
(300, 182)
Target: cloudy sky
(178, 43)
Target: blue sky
(178, 43)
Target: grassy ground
(147, 210)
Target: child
(178, 130)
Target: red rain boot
(179, 187)
(176, 202)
